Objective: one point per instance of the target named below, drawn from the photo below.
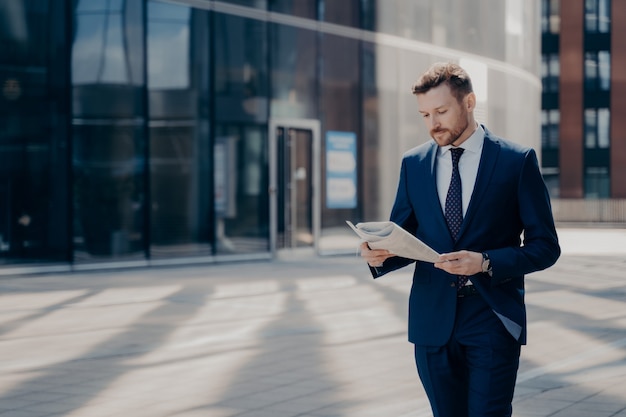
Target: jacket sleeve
(403, 215)
(540, 248)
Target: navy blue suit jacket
(509, 199)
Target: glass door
(294, 184)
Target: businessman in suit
(479, 201)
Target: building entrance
(294, 184)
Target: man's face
(448, 121)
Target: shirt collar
(473, 144)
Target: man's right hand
(374, 257)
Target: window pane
(33, 135)
(555, 120)
(590, 128)
(107, 45)
(241, 182)
(591, 71)
(591, 15)
(108, 191)
(545, 73)
(597, 182)
(545, 129)
(604, 70)
(604, 16)
(555, 16)
(259, 4)
(180, 165)
(241, 80)
(294, 84)
(107, 63)
(545, 16)
(604, 119)
(306, 9)
(555, 72)
(168, 45)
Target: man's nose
(434, 122)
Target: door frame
(305, 124)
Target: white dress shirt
(468, 168)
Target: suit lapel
(488, 159)
(435, 208)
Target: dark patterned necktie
(454, 204)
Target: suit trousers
(474, 374)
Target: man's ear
(470, 102)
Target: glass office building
(147, 132)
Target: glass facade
(34, 133)
(108, 138)
(178, 124)
(137, 132)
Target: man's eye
(441, 111)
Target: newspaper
(390, 236)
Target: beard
(452, 134)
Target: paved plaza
(303, 336)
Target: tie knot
(456, 154)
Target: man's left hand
(461, 263)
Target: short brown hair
(445, 72)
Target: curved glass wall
(108, 137)
(34, 171)
(148, 139)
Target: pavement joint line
(543, 370)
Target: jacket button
(452, 284)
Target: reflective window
(597, 182)
(33, 137)
(597, 16)
(109, 144)
(339, 88)
(368, 14)
(597, 128)
(550, 72)
(604, 70)
(241, 75)
(345, 12)
(604, 128)
(258, 4)
(591, 128)
(550, 120)
(168, 45)
(604, 16)
(591, 71)
(550, 16)
(306, 9)
(294, 75)
(108, 191)
(597, 71)
(241, 183)
(100, 50)
(180, 164)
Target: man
(469, 195)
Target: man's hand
(461, 263)
(374, 257)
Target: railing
(591, 210)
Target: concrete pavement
(293, 337)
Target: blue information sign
(341, 185)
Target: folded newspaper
(390, 236)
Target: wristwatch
(486, 264)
